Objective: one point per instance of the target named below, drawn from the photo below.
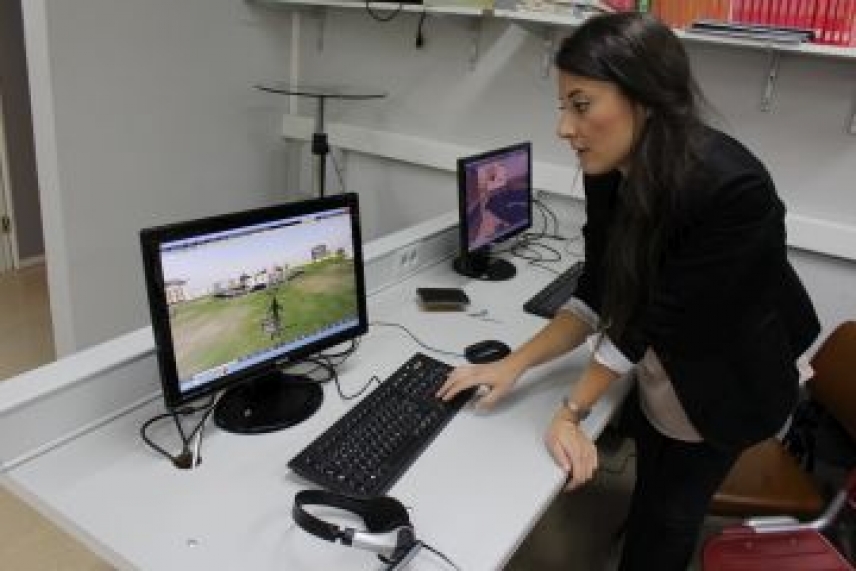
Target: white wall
(435, 94)
(144, 114)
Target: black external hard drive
(442, 298)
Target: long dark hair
(647, 62)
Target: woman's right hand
(498, 378)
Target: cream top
(657, 397)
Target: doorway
(7, 248)
(23, 245)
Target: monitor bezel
(152, 238)
(468, 256)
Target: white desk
(474, 493)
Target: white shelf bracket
(548, 46)
(770, 85)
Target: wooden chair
(766, 479)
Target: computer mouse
(486, 351)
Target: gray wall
(19, 132)
(155, 120)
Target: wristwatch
(578, 413)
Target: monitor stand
(484, 267)
(269, 402)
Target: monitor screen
(495, 197)
(233, 298)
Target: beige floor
(575, 533)
(30, 542)
(26, 340)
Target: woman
(686, 282)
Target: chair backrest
(834, 381)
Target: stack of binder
(776, 34)
(831, 20)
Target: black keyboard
(547, 302)
(369, 448)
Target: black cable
(185, 439)
(322, 361)
(359, 393)
(420, 37)
(394, 563)
(327, 362)
(539, 209)
(547, 211)
(533, 246)
(153, 445)
(541, 266)
(416, 339)
(338, 172)
(530, 240)
(556, 236)
(355, 343)
(440, 554)
(386, 18)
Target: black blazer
(729, 316)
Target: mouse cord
(418, 341)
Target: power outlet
(407, 260)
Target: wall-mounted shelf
(547, 18)
(379, 6)
(544, 23)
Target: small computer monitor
(236, 298)
(495, 204)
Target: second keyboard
(551, 297)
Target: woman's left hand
(572, 449)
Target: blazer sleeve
(600, 193)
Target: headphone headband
(388, 527)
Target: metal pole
(320, 148)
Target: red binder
(820, 22)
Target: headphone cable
(440, 554)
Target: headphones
(388, 533)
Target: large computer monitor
(495, 204)
(234, 298)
